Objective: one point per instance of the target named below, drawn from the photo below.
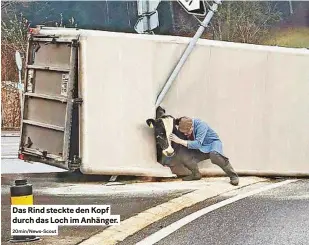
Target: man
(202, 143)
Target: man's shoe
(195, 176)
(234, 180)
(228, 169)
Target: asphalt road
(126, 200)
(278, 217)
(54, 186)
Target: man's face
(188, 132)
(185, 126)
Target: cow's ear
(161, 109)
(160, 112)
(150, 122)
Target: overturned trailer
(88, 94)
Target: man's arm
(177, 140)
(201, 131)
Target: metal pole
(20, 89)
(148, 17)
(187, 52)
(291, 7)
(19, 76)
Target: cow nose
(170, 154)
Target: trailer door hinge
(77, 101)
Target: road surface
(275, 216)
(126, 199)
(52, 185)
(279, 216)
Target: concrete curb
(115, 234)
(10, 133)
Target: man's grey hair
(185, 124)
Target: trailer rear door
(49, 101)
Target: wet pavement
(130, 196)
(123, 202)
(278, 216)
(52, 185)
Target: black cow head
(163, 126)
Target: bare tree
(245, 22)
(14, 35)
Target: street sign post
(147, 23)
(195, 7)
(19, 64)
(148, 16)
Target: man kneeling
(202, 143)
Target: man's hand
(177, 140)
